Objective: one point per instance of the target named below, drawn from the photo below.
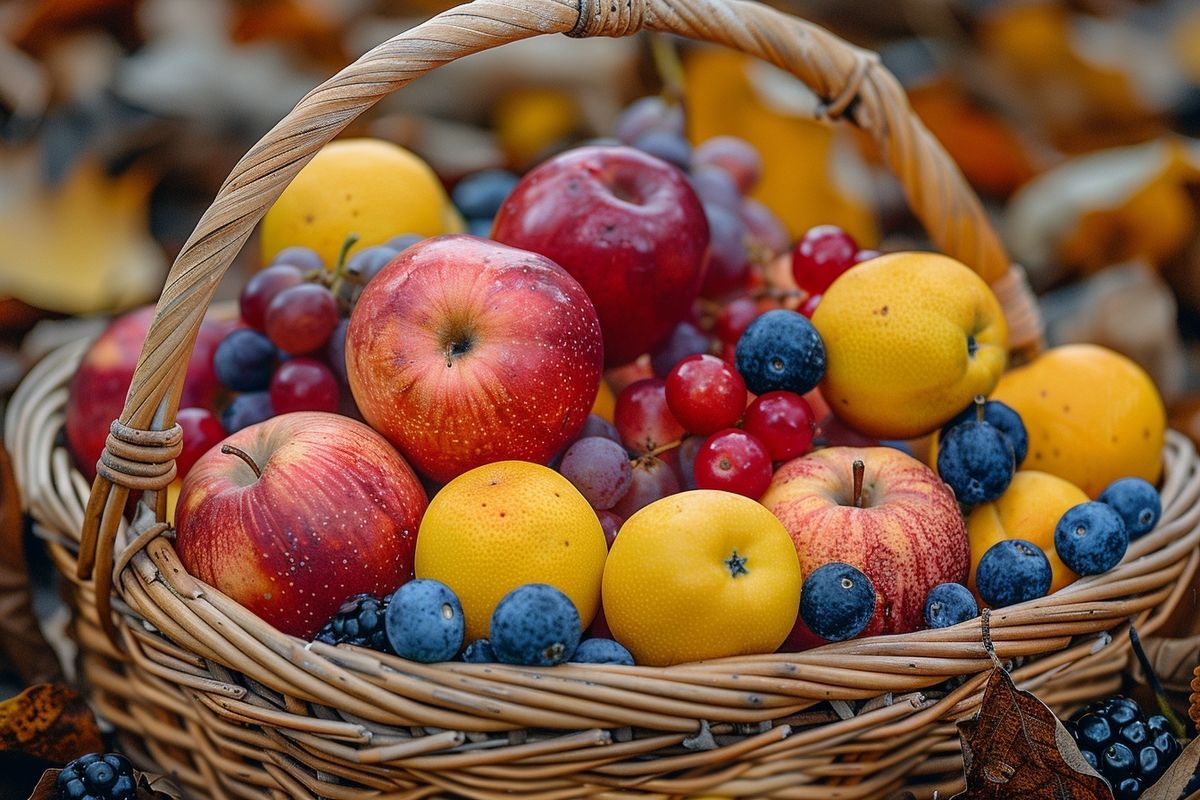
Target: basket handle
(144, 442)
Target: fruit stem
(859, 468)
(339, 267)
(662, 448)
(1160, 695)
(980, 402)
(669, 67)
(230, 450)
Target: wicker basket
(200, 688)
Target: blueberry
(480, 195)
(424, 621)
(1117, 762)
(976, 461)
(479, 652)
(1001, 417)
(1151, 764)
(1090, 757)
(244, 360)
(535, 624)
(1137, 502)
(97, 777)
(1096, 733)
(781, 350)
(480, 227)
(837, 601)
(1127, 789)
(668, 146)
(1135, 734)
(602, 651)
(1012, 571)
(949, 604)
(1166, 744)
(1090, 538)
(404, 241)
(246, 410)
(100, 775)
(1158, 723)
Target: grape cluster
(1129, 749)
(289, 353)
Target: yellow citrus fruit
(605, 402)
(1093, 416)
(700, 575)
(368, 187)
(506, 524)
(1029, 509)
(910, 338)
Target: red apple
(906, 533)
(628, 226)
(463, 352)
(97, 391)
(292, 516)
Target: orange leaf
(50, 721)
(1016, 749)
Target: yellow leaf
(50, 721)
(82, 246)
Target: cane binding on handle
(851, 83)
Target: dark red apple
(628, 226)
(97, 391)
(292, 516)
(463, 351)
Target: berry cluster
(97, 777)
(1129, 749)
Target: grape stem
(230, 450)
(662, 448)
(859, 468)
(339, 269)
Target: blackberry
(359, 622)
(97, 777)
(1130, 750)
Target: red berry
(301, 318)
(783, 422)
(810, 305)
(611, 524)
(304, 384)
(643, 418)
(734, 461)
(733, 319)
(201, 430)
(821, 255)
(705, 394)
(866, 255)
(261, 289)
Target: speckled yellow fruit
(1093, 416)
(699, 575)
(1029, 509)
(910, 338)
(173, 498)
(506, 524)
(369, 187)
(605, 402)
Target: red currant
(705, 394)
(301, 318)
(821, 255)
(810, 305)
(201, 430)
(733, 319)
(734, 461)
(784, 422)
(261, 289)
(304, 384)
(643, 418)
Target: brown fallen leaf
(45, 789)
(50, 721)
(1016, 749)
(1171, 785)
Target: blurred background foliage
(1075, 121)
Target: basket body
(201, 689)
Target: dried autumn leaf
(1172, 783)
(1016, 749)
(45, 789)
(50, 721)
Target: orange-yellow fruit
(1093, 416)
(910, 338)
(506, 524)
(1029, 509)
(699, 575)
(605, 402)
(368, 187)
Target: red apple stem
(980, 402)
(230, 450)
(859, 468)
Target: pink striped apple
(293, 515)
(901, 526)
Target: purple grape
(611, 525)
(245, 410)
(599, 468)
(653, 479)
(686, 467)
(649, 114)
(596, 425)
(367, 263)
(766, 236)
(302, 258)
(335, 351)
(403, 241)
(686, 340)
(715, 187)
(727, 256)
(667, 145)
(735, 156)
